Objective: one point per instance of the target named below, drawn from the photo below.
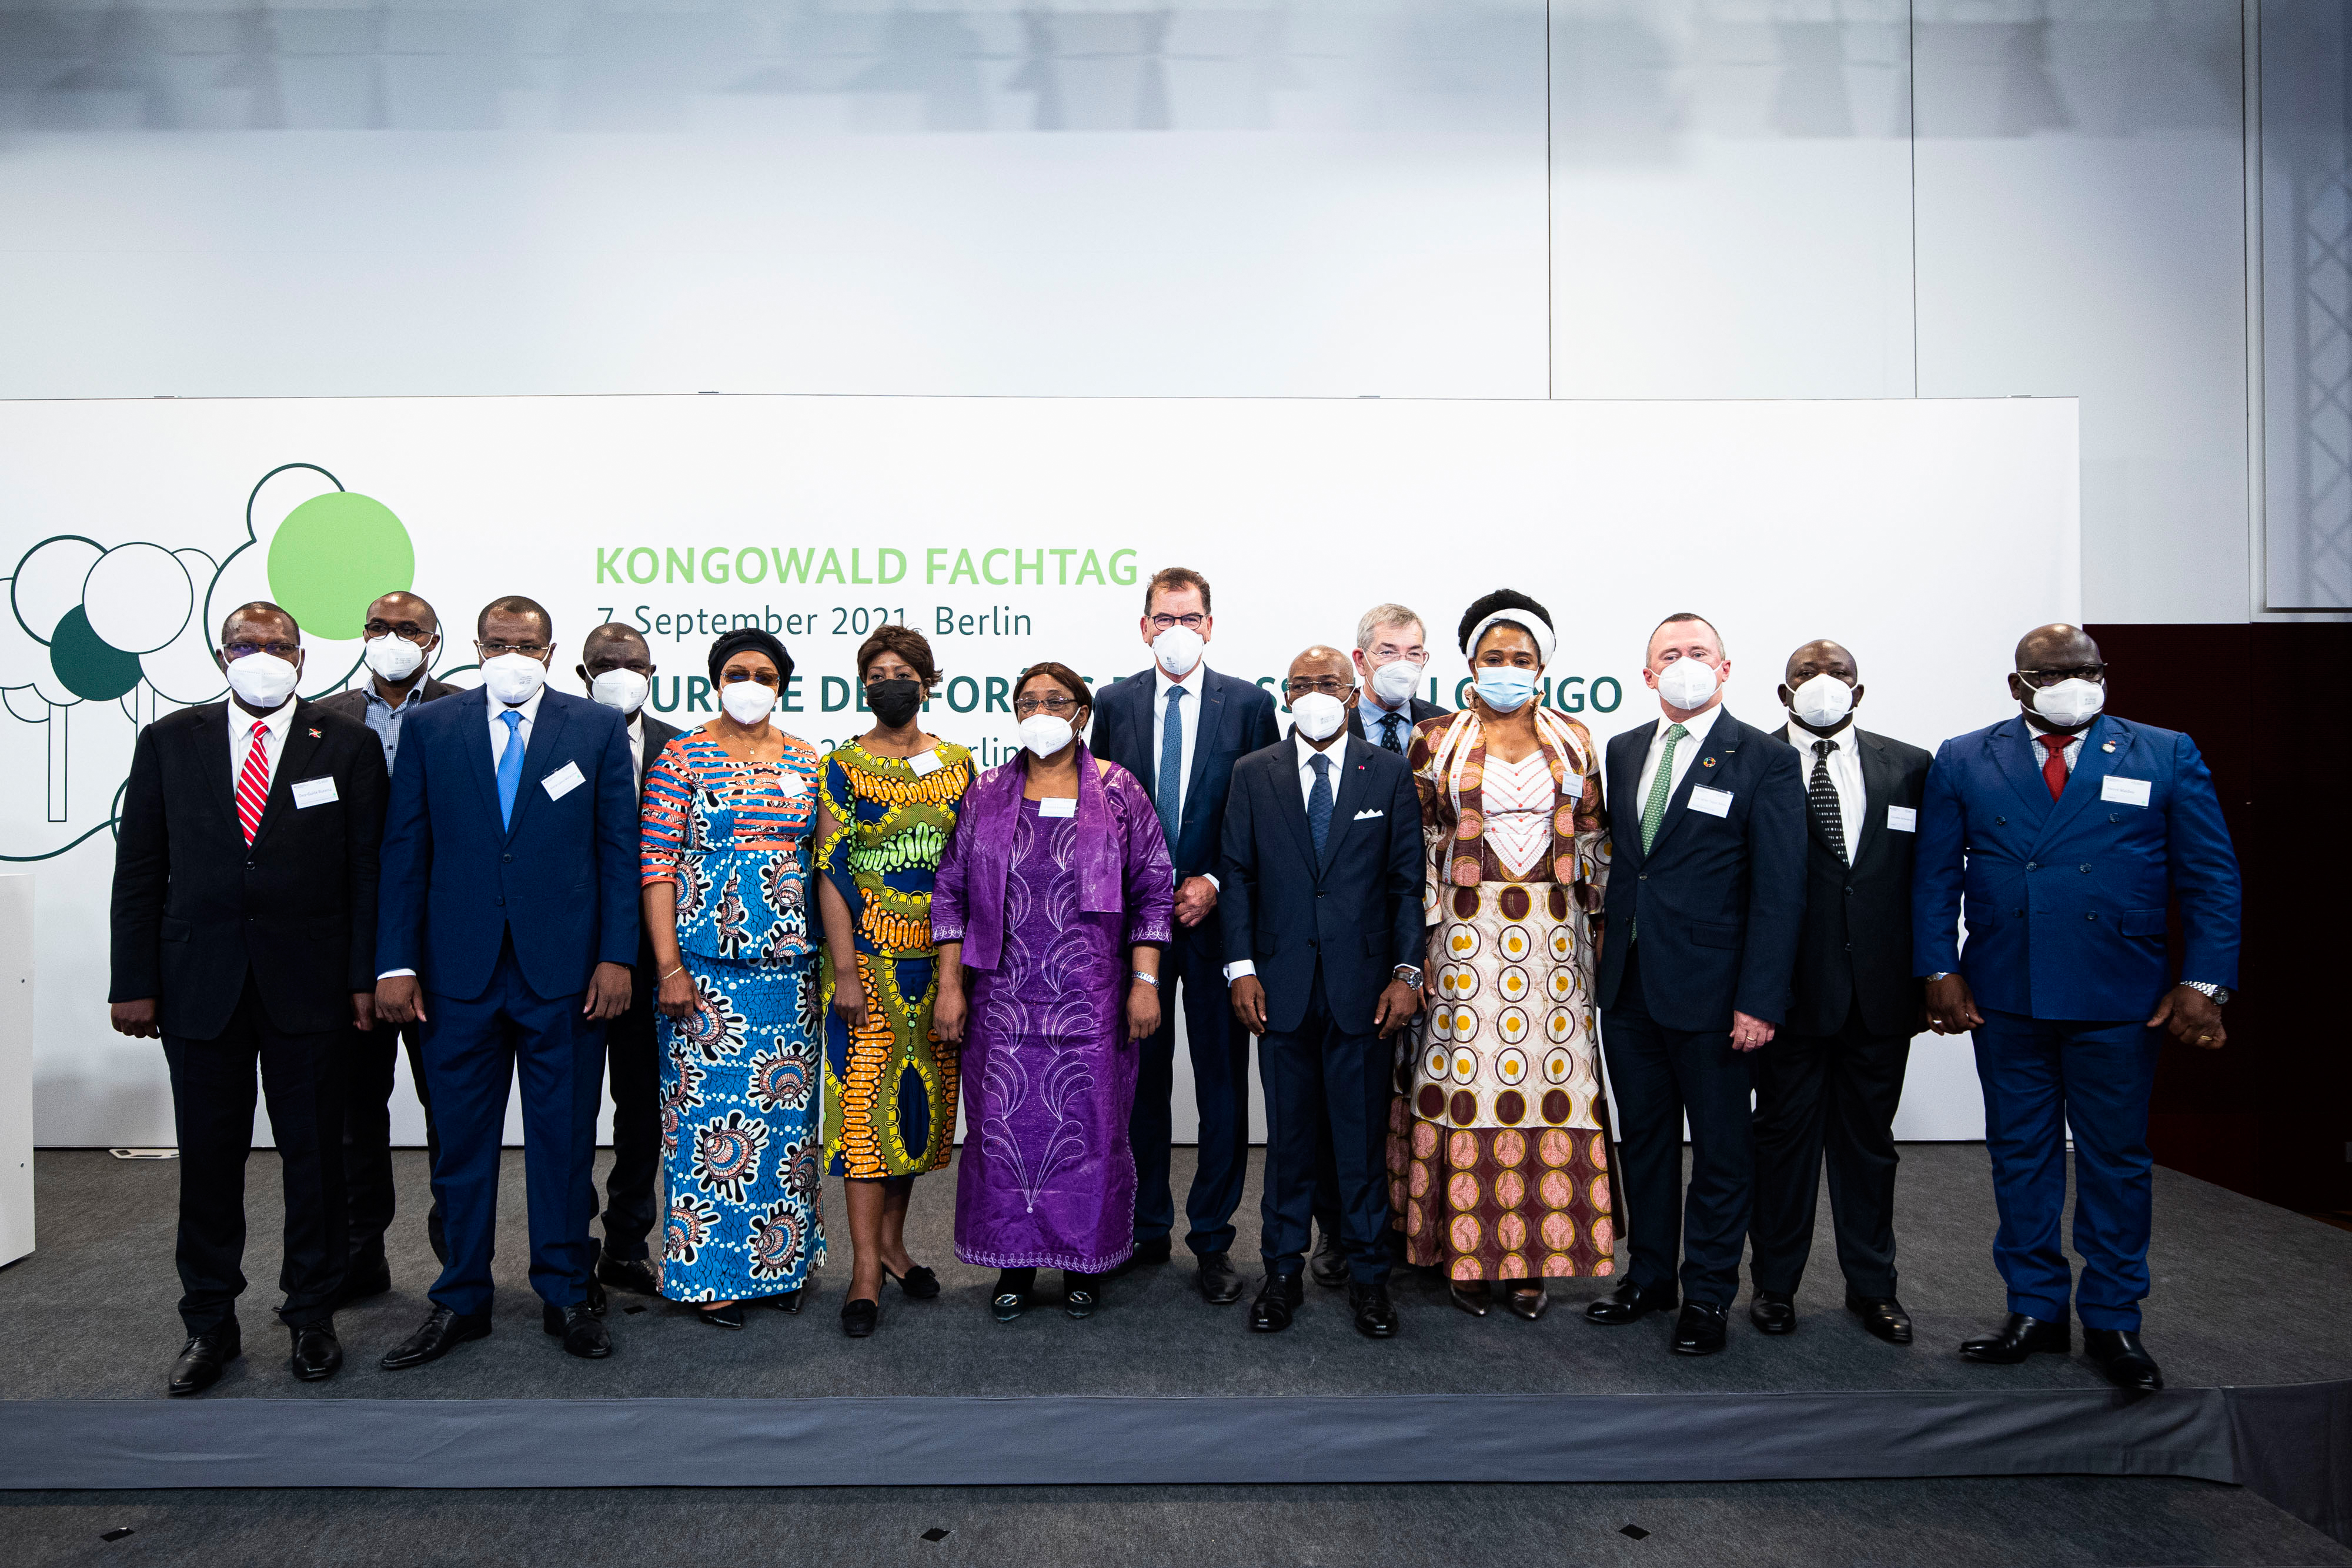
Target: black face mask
(894, 702)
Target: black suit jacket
(1356, 909)
(1719, 900)
(1236, 718)
(1856, 948)
(197, 909)
(353, 705)
(1415, 710)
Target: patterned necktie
(1820, 794)
(1170, 797)
(2054, 768)
(1653, 809)
(510, 767)
(1318, 802)
(253, 780)
(1391, 732)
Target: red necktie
(2054, 769)
(253, 781)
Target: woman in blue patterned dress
(728, 815)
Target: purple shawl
(984, 839)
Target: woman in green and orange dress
(887, 802)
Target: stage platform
(2247, 1317)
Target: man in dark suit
(1180, 726)
(402, 636)
(244, 934)
(2061, 833)
(1706, 895)
(509, 924)
(1322, 882)
(618, 668)
(1831, 1078)
(1391, 652)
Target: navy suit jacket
(2065, 899)
(562, 880)
(1355, 908)
(1720, 900)
(1236, 718)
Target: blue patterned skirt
(742, 1133)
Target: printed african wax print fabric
(741, 1154)
(1506, 1045)
(890, 1087)
(733, 836)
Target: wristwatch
(1408, 973)
(2219, 995)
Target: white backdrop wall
(1009, 531)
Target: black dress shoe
(1011, 1297)
(199, 1367)
(2123, 1358)
(317, 1354)
(1375, 1318)
(1882, 1315)
(1146, 1254)
(444, 1332)
(584, 1333)
(1081, 1293)
(859, 1316)
(1471, 1295)
(1773, 1312)
(1220, 1285)
(361, 1280)
(919, 1282)
(634, 1275)
(788, 1301)
(1629, 1302)
(2020, 1337)
(729, 1316)
(1277, 1299)
(1527, 1303)
(1700, 1330)
(594, 1298)
(1328, 1262)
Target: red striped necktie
(253, 780)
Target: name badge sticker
(2130, 791)
(793, 785)
(563, 781)
(925, 763)
(1903, 818)
(1714, 803)
(313, 792)
(1063, 807)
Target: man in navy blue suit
(1180, 726)
(2061, 835)
(1323, 941)
(1706, 903)
(509, 923)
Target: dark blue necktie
(1318, 802)
(1391, 727)
(1171, 794)
(510, 767)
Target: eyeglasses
(1058, 705)
(1317, 686)
(409, 630)
(2039, 678)
(1190, 623)
(276, 650)
(499, 649)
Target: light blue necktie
(510, 767)
(1171, 794)
(1319, 803)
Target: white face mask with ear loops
(1821, 701)
(1688, 683)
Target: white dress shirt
(1686, 751)
(637, 742)
(1845, 777)
(529, 712)
(2041, 753)
(273, 741)
(1337, 753)
(1188, 719)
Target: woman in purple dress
(1052, 902)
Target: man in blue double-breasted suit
(507, 923)
(1180, 726)
(2061, 835)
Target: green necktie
(1653, 809)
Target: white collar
(1695, 727)
(1191, 682)
(278, 723)
(2038, 727)
(1803, 739)
(530, 710)
(1306, 752)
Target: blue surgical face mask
(1506, 689)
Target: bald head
(1821, 709)
(2055, 646)
(2050, 657)
(1322, 661)
(1820, 657)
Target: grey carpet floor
(2245, 1294)
(1951, 1523)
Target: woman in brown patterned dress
(1498, 1147)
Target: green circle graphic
(88, 667)
(334, 556)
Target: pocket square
(1363, 816)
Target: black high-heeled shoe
(859, 1316)
(919, 1282)
(1012, 1298)
(729, 1316)
(1526, 1303)
(1471, 1300)
(788, 1301)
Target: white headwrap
(1526, 621)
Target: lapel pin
(1706, 762)
(317, 735)
(2109, 747)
